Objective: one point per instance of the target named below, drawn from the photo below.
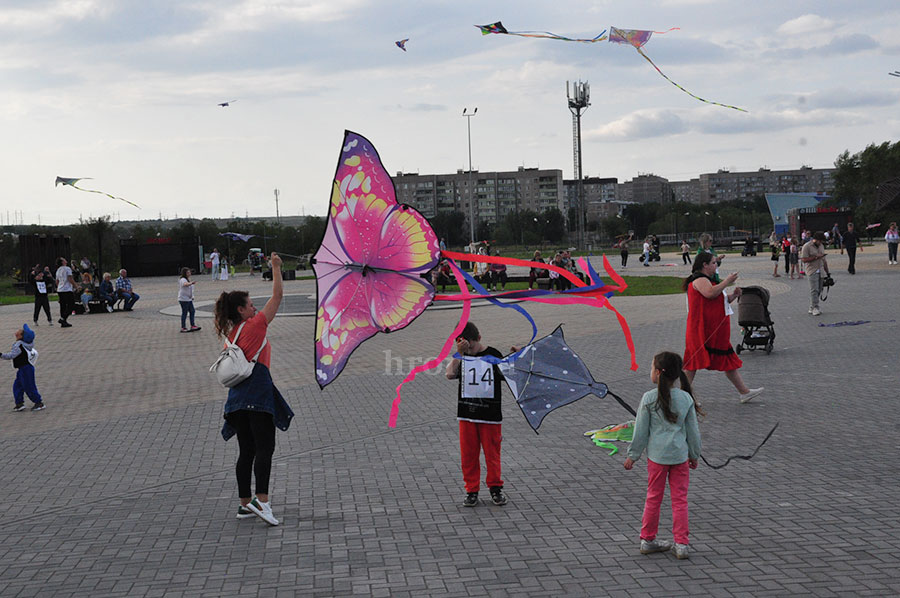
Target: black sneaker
(471, 499)
(497, 496)
(19, 407)
(65, 325)
(37, 407)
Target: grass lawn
(637, 286)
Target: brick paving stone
(131, 491)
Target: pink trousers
(679, 478)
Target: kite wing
(402, 44)
(547, 375)
(71, 183)
(370, 261)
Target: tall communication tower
(277, 214)
(579, 99)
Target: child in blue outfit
(666, 426)
(23, 356)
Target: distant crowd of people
(78, 284)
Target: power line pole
(277, 215)
(579, 99)
(472, 195)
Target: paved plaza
(124, 487)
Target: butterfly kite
(635, 38)
(402, 44)
(71, 183)
(370, 264)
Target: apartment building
(729, 186)
(493, 195)
(599, 197)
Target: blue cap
(28, 334)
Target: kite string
(445, 350)
(743, 457)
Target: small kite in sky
(402, 44)
(548, 374)
(71, 183)
(895, 74)
(226, 104)
(237, 236)
(635, 38)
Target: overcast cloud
(125, 91)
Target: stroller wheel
(738, 349)
(768, 348)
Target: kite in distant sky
(237, 236)
(71, 183)
(548, 374)
(226, 104)
(632, 37)
(895, 74)
(370, 264)
(402, 44)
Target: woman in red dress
(708, 336)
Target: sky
(126, 92)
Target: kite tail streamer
(484, 292)
(445, 350)
(511, 261)
(744, 457)
(647, 58)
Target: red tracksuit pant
(679, 477)
(473, 437)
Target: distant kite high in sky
(71, 183)
(635, 38)
(226, 104)
(402, 44)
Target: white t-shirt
(185, 290)
(63, 274)
(646, 247)
(214, 258)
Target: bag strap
(238, 333)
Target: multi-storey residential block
(493, 194)
(729, 186)
(599, 197)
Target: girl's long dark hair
(697, 269)
(186, 273)
(226, 311)
(670, 369)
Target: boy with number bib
(23, 356)
(479, 414)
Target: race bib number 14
(477, 379)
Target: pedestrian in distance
(892, 237)
(813, 257)
(23, 356)
(42, 286)
(850, 242)
(65, 290)
(186, 299)
(666, 427)
(254, 407)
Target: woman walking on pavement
(254, 407)
(186, 299)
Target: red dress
(708, 334)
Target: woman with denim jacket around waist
(254, 407)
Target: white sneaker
(650, 546)
(752, 393)
(263, 510)
(681, 551)
(809, 311)
(245, 513)
(816, 311)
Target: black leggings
(256, 439)
(41, 301)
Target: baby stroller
(754, 317)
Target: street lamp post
(472, 195)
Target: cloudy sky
(125, 91)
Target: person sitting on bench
(107, 291)
(125, 290)
(88, 291)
